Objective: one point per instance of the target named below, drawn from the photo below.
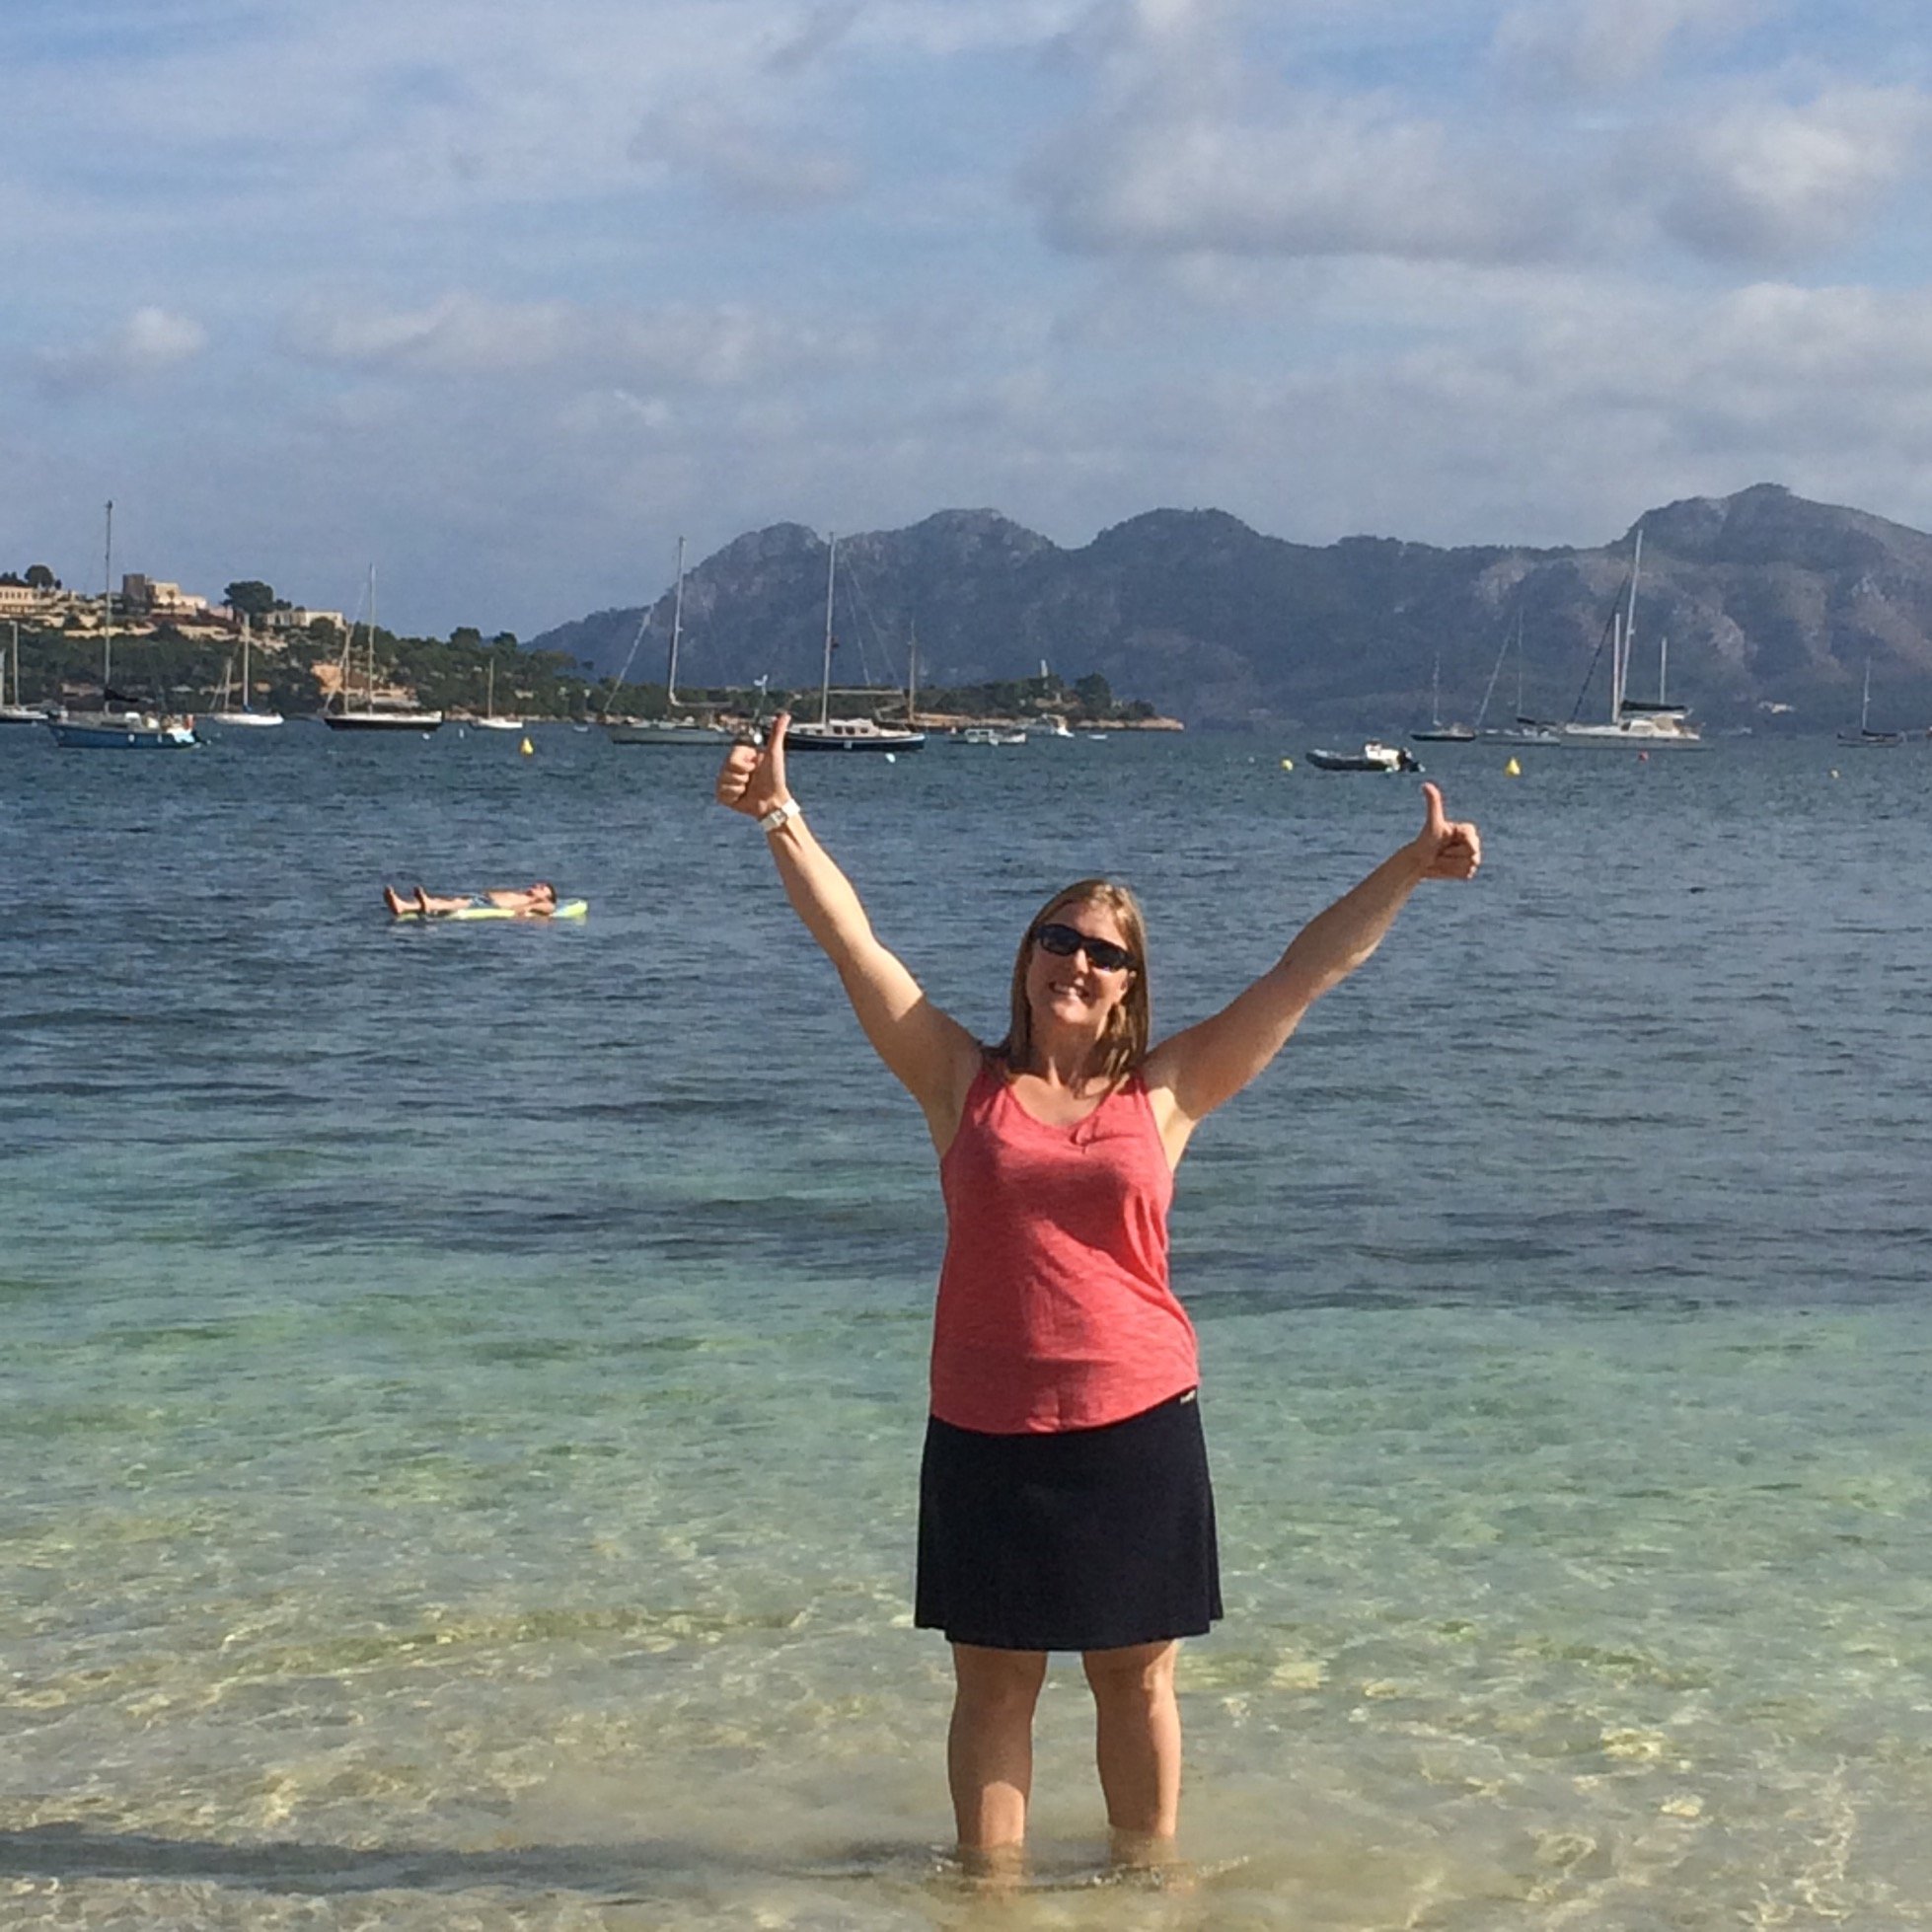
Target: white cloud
(1601, 45)
(1558, 407)
(457, 334)
(148, 342)
(1767, 183)
(1318, 261)
(1322, 177)
(461, 335)
(1190, 146)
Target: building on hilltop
(142, 596)
(295, 618)
(24, 600)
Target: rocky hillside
(1765, 600)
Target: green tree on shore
(250, 598)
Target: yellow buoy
(1513, 769)
(1287, 764)
(526, 748)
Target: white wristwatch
(780, 815)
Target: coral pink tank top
(1054, 1307)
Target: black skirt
(1084, 1539)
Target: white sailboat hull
(853, 734)
(1645, 734)
(671, 731)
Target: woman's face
(1072, 990)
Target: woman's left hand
(1447, 849)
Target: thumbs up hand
(752, 779)
(1447, 849)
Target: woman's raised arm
(932, 1054)
(1195, 1072)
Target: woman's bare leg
(990, 1746)
(1138, 1743)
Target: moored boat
(848, 733)
(1437, 732)
(1647, 725)
(340, 715)
(13, 711)
(1375, 756)
(130, 731)
(1865, 738)
(492, 719)
(120, 723)
(244, 714)
(674, 727)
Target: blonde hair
(1124, 1043)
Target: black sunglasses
(1063, 941)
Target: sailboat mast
(1629, 625)
(1489, 689)
(370, 696)
(245, 661)
(107, 610)
(677, 626)
(825, 681)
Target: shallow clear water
(462, 1386)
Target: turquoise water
(462, 1386)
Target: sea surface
(461, 1386)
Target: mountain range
(1761, 607)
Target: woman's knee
(1135, 1669)
(1007, 1680)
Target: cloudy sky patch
(509, 298)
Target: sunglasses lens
(1063, 942)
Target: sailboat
(1440, 733)
(16, 713)
(851, 733)
(1648, 726)
(120, 724)
(243, 714)
(1865, 738)
(670, 729)
(490, 721)
(1525, 730)
(340, 715)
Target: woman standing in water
(1063, 1493)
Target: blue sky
(503, 299)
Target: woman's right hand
(752, 777)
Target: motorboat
(1375, 756)
(122, 730)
